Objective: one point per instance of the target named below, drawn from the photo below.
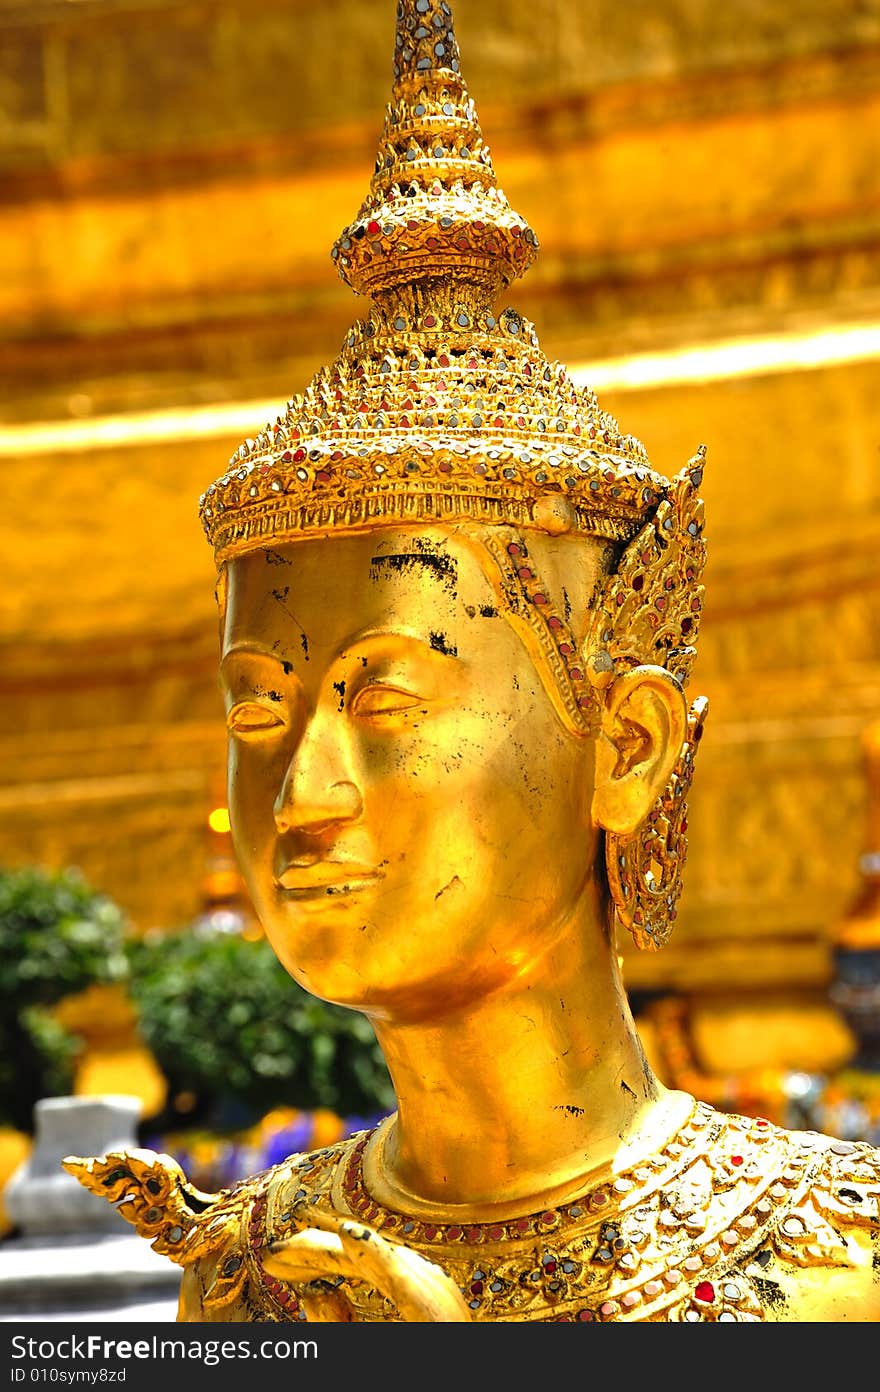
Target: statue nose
(318, 791)
(323, 809)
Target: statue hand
(335, 1246)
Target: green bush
(228, 1025)
(57, 936)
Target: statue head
(459, 609)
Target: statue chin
(364, 951)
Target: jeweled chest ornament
(702, 1230)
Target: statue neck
(522, 1098)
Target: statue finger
(421, 1290)
(308, 1255)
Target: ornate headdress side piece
(437, 408)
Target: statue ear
(643, 728)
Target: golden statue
(458, 612)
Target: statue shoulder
(216, 1238)
(831, 1237)
(812, 1229)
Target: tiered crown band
(437, 408)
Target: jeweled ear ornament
(645, 869)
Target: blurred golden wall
(703, 178)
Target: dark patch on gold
(770, 1293)
(443, 568)
(440, 643)
(453, 881)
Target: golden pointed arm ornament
(182, 1223)
(151, 1192)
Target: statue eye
(384, 700)
(251, 718)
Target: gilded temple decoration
(423, 810)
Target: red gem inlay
(514, 550)
(736, 1159)
(373, 227)
(454, 1232)
(524, 573)
(554, 623)
(705, 1291)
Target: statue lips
(326, 878)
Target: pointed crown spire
(434, 213)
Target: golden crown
(438, 408)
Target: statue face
(411, 817)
